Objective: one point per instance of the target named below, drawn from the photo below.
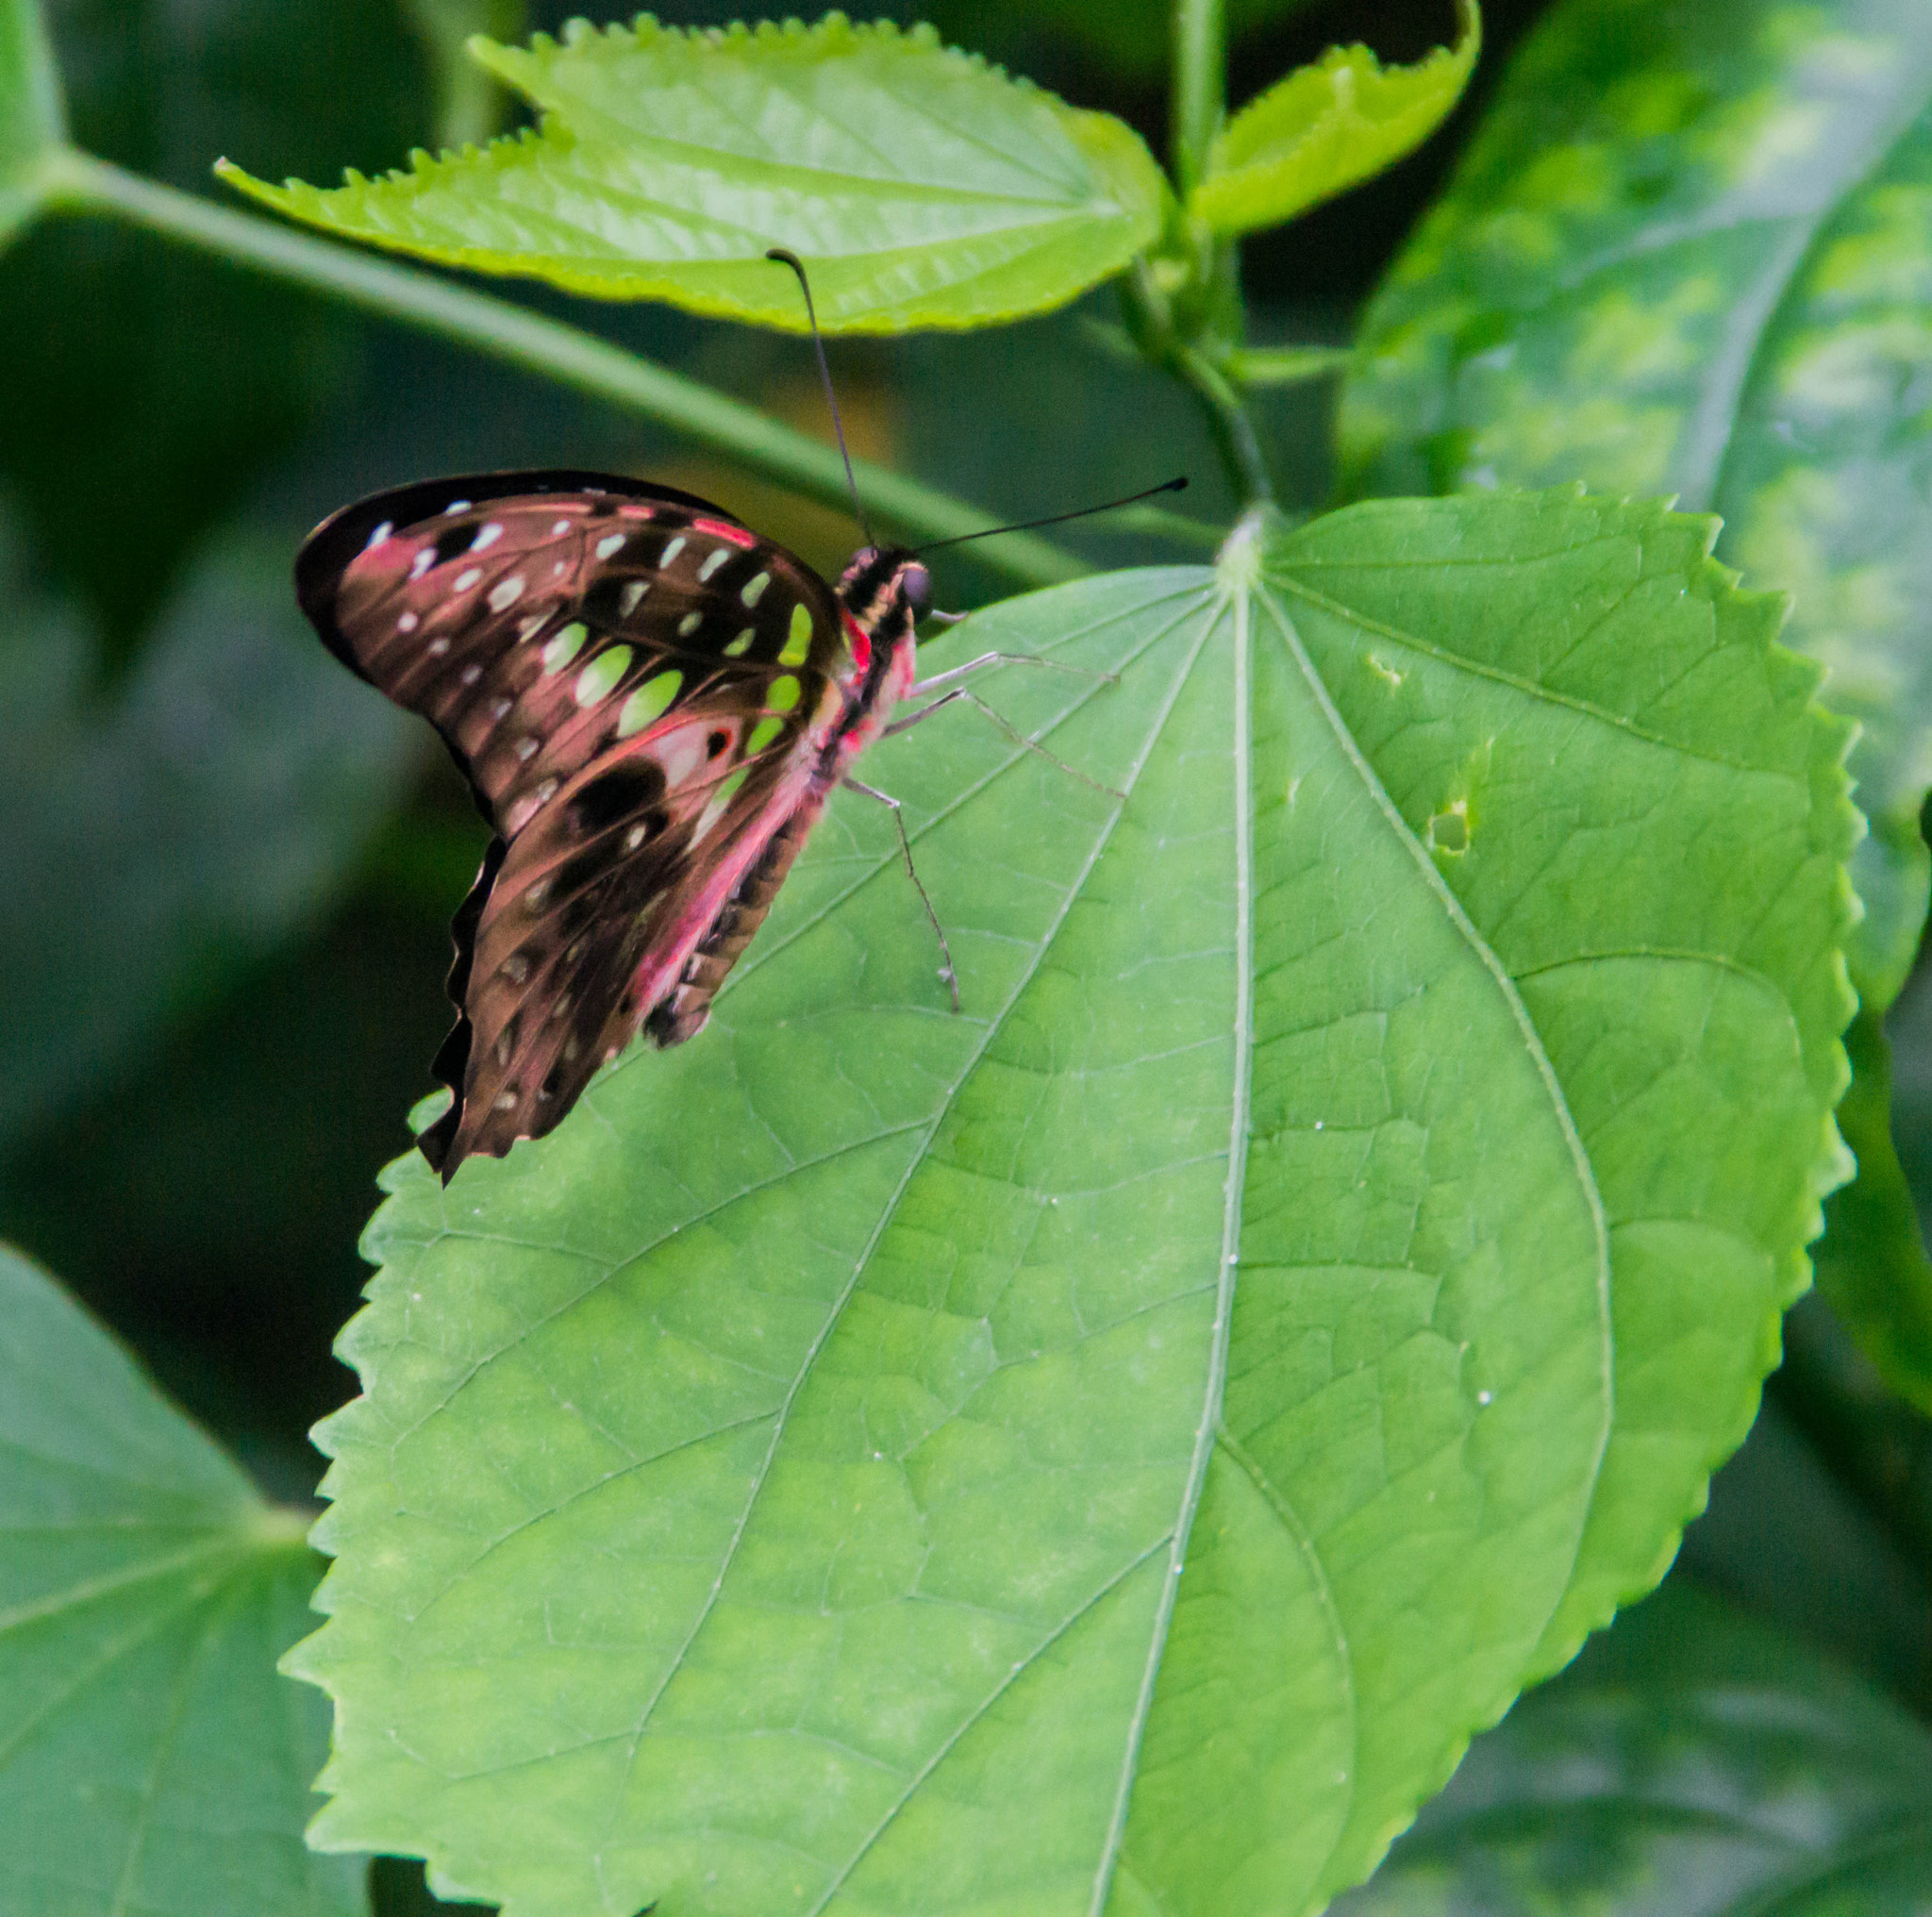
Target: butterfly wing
(637, 689)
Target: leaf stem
(1228, 421)
(33, 115)
(1199, 87)
(80, 183)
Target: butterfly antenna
(1176, 485)
(791, 260)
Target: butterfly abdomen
(684, 1011)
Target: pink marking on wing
(657, 976)
(637, 512)
(732, 535)
(855, 639)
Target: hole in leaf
(1449, 828)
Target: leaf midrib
(1214, 1386)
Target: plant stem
(33, 115)
(80, 183)
(1199, 87)
(1227, 420)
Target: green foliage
(1687, 255)
(833, 1482)
(1693, 1761)
(1328, 127)
(152, 1760)
(195, 862)
(924, 188)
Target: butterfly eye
(916, 583)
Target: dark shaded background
(203, 1191)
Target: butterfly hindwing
(631, 681)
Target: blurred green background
(232, 867)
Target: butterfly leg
(939, 931)
(953, 674)
(1005, 725)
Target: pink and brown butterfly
(652, 705)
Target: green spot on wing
(783, 695)
(651, 701)
(569, 642)
(597, 678)
(762, 735)
(798, 639)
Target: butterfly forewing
(638, 688)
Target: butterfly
(652, 705)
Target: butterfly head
(887, 591)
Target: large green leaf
(166, 833)
(32, 122)
(151, 1760)
(1693, 1763)
(924, 188)
(1689, 254)
(1326, 127)
(1112, 1446)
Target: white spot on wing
(690, 624)
(485, 536)
(713, 561)
(455, 505)
(437, 647)
(471, 673)
(671, 551)
(381, 533)
(425, 559)
(558, 528)
(611, 543)
(505, 593)
(407, 623)
(627, 599)
(467, 578)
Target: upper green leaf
(32, 121)
(1112, 1447)
(212, 802)
(1326, 127)
(921, 186)
(151, 1760)
(1689, 254)
(1693, 1763)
